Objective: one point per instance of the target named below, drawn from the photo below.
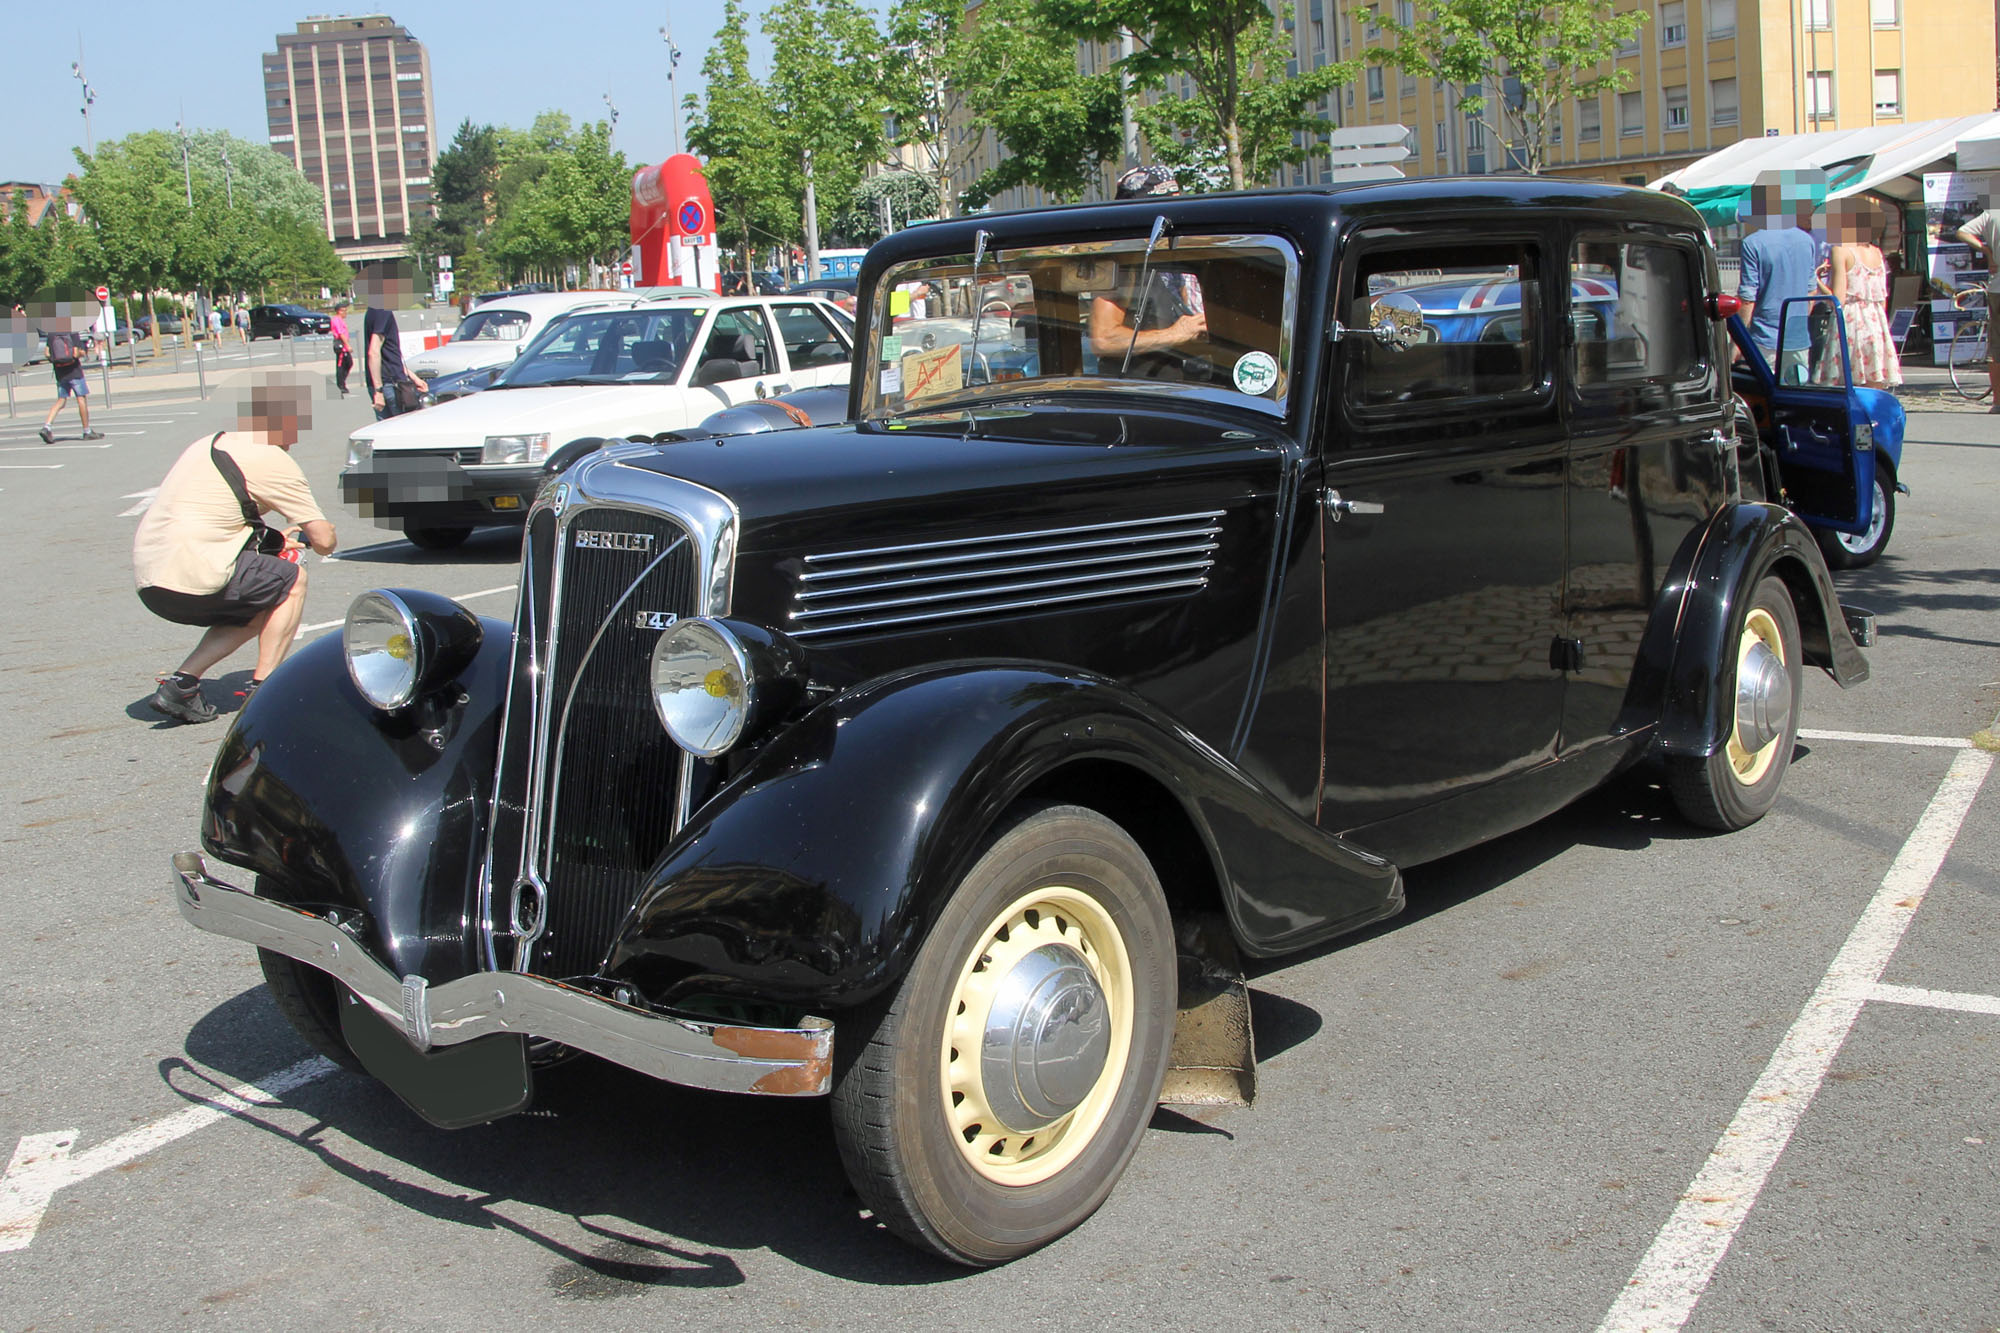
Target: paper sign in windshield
(928, 374)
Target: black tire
(437, 539)
(914, 1124)
(1737, 786)
(310, 1001)
(1843, 551)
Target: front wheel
(1850, 550)
(996, 1096)
(1738, 784)
(1968, 375)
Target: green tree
(254, 175)
(134, 193)
(736, 134)
(1228, 50)
(885, 201)
(24, 254)
(1058, 126)
(1538, 56)
(574, 212)
(826, 89)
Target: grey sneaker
(48, 436)
(93, 435)
(182, 705)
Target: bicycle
(1969, 352)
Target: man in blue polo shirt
(1780, 260)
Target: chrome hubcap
(1046, 1041)
(1763, 697)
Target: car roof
(541, 303)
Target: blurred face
(277, 409)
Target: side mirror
(1397, 321)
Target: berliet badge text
(615, 541)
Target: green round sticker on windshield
(1256, 373)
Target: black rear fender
(1683, 672)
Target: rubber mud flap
(453, 1087)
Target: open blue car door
(1811, 415)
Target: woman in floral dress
(1859, 280)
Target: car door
(1442, 539)
(737, 360)
(816, 351)
(1828, 474)
(1649, 444)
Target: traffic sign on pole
(103, 295)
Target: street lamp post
(673, 83)
(89, 96)
(611, 138)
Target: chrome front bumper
(689, 1050)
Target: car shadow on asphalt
(661, 1182)
(486, 546)
(1898, 594)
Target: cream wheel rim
(1760, 628)
(1051, 920)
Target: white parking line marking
(1675, 1272)
(1884, 738)
(42, 1163)
(458, 597)
(145, 499)
(44, 448)
(1936, 999)
(31, 467)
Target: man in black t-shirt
(392, 386)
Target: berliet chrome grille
(590, 787)
(965, 578)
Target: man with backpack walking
(67, 351)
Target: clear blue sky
(493, 61)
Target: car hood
(566, 412)
(866, 481)
(455, 356)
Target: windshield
(608, 347)
(493, 326)
(1207, 316)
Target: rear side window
(1441, 322)
(1634, 311)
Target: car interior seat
(653, 357)
(729, 356)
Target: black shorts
(259, 583)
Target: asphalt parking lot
(1604, 1073)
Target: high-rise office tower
(349, 102)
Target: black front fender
(1685, 660)
(333, 803)
(813, 876)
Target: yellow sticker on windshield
(928, 374)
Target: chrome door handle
(1721, 439)
(1337, 506)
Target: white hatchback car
(495, 334)
(636, 370)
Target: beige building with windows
(1702, 75)
(348, 100)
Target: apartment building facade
(348, 100)
(1702, 74)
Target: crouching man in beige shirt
(195, 558)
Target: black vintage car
(942, 761)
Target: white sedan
(634, 371)
(496, 333)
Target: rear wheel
(991, 1103)
(1846, 550)
(437, 539)
(1738, 784)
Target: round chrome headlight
(382, 646)
(701, 686)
